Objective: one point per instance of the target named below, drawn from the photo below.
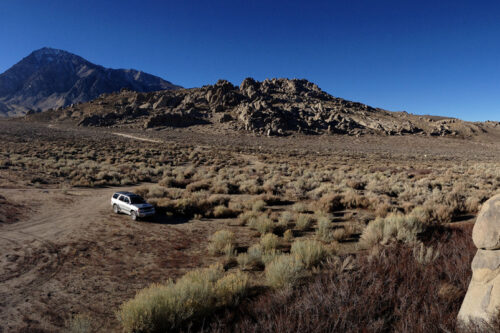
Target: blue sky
(425, 57)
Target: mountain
(270, 107)
(50, 78)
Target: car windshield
(136, 200)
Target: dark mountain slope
(50, 78)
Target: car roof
(126, 193)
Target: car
(131, 204)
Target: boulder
(486, 233)
(482, 301)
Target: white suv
(131, 204)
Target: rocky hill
(271, 107)
(50, 78)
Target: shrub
(284, 271)
(220, 241)
(269, 242)
(399, 227)
(288, 235)
(164, 307)
(248, 217)
(310, 252)
(262, 224)
(300, 207)
(80, 324)
(258, 205)
(284, 219)
(222, 211)
(324, 228)
(339, 234)
(387, 292)
(330, 203)
(201, 185)
(303, 222)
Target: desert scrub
(269, 242)
(303, 222)
(329, 203)
(262, 224)
(323, 231)
(285, 219)
(288, 235)
(284, 271)
(165, 307)
(258, 205)
(80, 324)
(221, 242)
(222, 211)
(310, 252)
(396, 226)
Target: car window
(121, 198)
(127, 200)
(137, 199)
(115, 195)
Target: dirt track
(71, 250)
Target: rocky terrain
(50, 78)
(271, 107)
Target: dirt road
(71, 255)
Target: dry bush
(394, 227)
(221, 242)
(310, 252)
(258, 205)
(351, 199)
(303, 221)
(339, 234)
(262, 224)
(288, 235)
(165, 307)
(284, 271)
(269, 242)
(387, 292)
(323, 231)
(80, 324)
(202, 185)
(329, 203)
(284, 219)
(222, 211)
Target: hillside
(270, 107)
(50, 78)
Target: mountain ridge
(270, 107)
(51, 78)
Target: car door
(127, 205)
(122, 204)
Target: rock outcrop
(271, 107)
(482, 301)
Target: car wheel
(133, 215)
(116, 209)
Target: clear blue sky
(425, 57)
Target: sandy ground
(71, 255)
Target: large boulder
(486, 233)
(482, 301)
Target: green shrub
(310, 252)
